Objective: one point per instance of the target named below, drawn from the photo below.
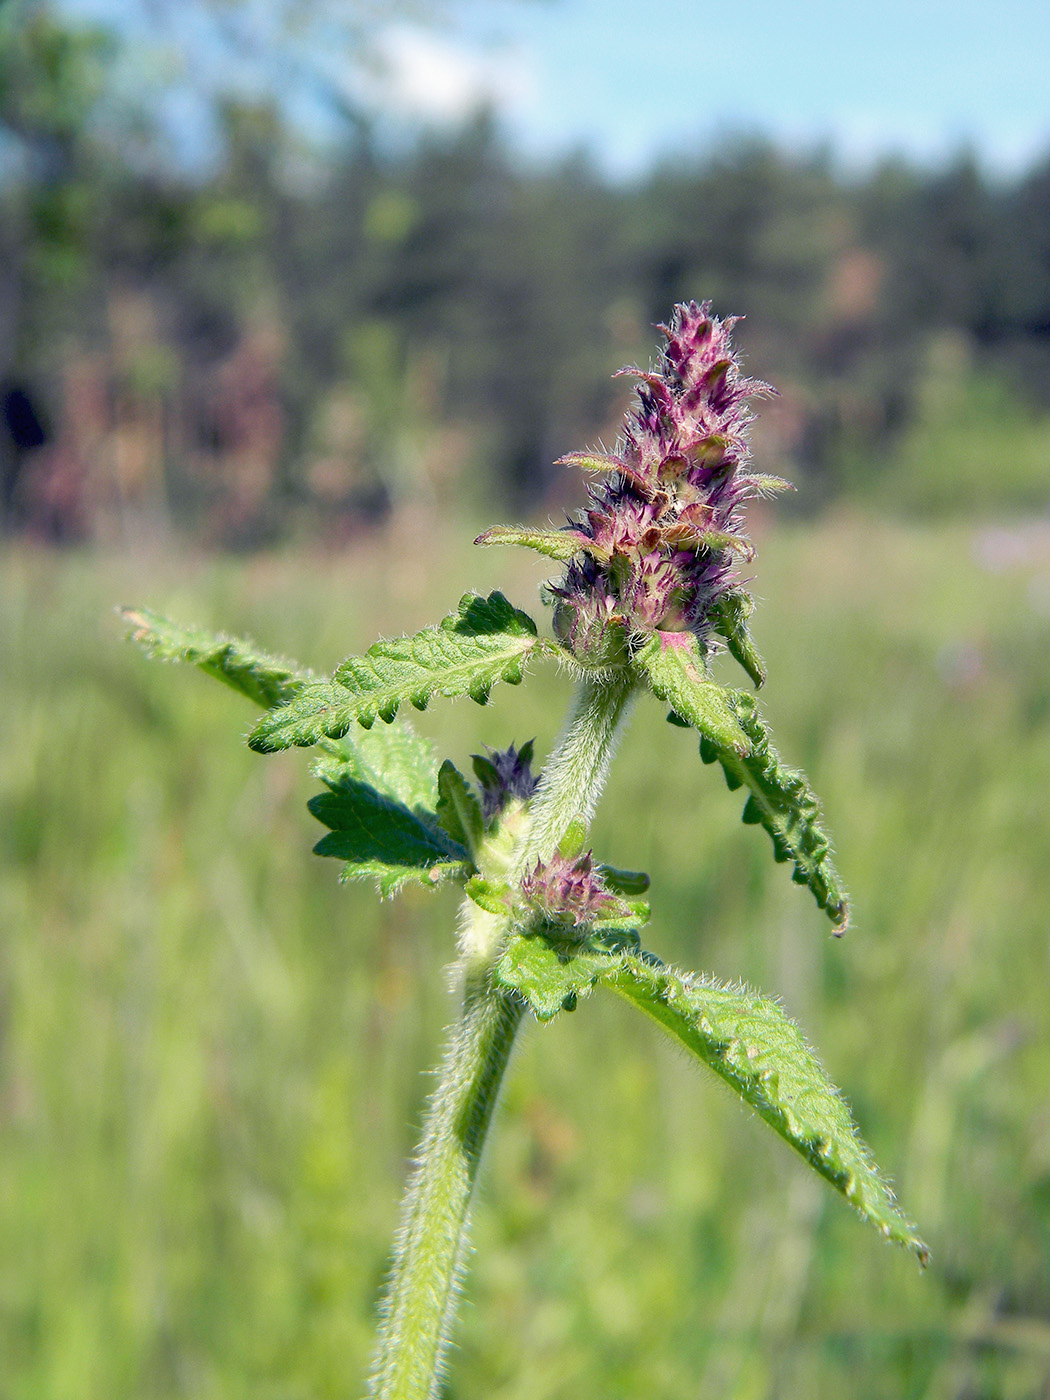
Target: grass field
(214, 1056)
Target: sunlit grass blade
(486, 640)
(267, 680)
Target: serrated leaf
(458, 809)
(672, 664)
(781, 800)
(729, 619)
(745, 1038)
(486, 640)
(555, 544)
(762, 1055)
(382, 839)
(267, 680)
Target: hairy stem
(575, 774)
(417, 1311)
(431, 1242)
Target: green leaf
(781, 800)
(267, 680)
(745, 1038)
(458, 809)
(729, 619)
(551, 977)
(491, 895)
(626, 882)
(574, 840)
(633, 914)
(762, 1055)
(672, 664)
(393, 759)
(382, 839)
(555, 544)
(717, 540)
(766, 485)
(486, 640)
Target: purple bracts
(567, 890)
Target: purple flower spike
(659, 538)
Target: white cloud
(435, 78)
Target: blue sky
(633, 79)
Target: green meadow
(214, 1056)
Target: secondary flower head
(658, 542)
(568, 890)
(503, 775)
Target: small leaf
(672, 664)
(729, 619)
(491, 895)
(762, 1055)
(548, 979)
(267, 680)
(634, 914)
(380, 838)
(458, 809)
(607, 462)
(626, 882)
(717, 540)
(766, 485)
(572, 843)
(555, 544)
(486, 640)
(781, 800)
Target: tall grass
(213, 1055)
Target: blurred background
(294, 299)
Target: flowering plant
(649, 592)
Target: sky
(636, 80)
(923, 78)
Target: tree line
(297, 338)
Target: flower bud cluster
(658, 539)
(567, 890)
(504, 775)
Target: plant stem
(418, 1308)
(431, 1242)
(575, 774)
